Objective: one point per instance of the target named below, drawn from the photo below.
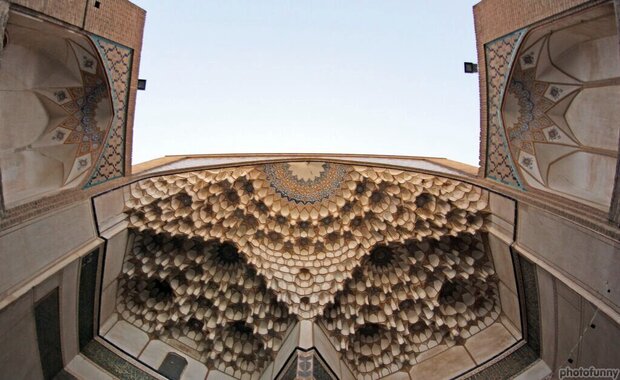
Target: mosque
(310, 266)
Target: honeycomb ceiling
(388, 263)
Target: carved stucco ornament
(390, 263)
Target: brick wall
(69, 11)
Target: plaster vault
(55, 116)
(560, 107)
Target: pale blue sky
(377, 77)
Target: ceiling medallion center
(305, 182)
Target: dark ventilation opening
(205, 303)
(380, 256)
(423, 199)
(173, 365)
(420, 224)
(97, 4)
(262, 207)
(248, 187)
(228, 253)
(347, 207)
(185, 199)
(160, 290)
(376, 197)
(241, 328)
(303, 242)
(471, 218)
(406, 304)
(417, 327)
(195, 325)
(232, 196)
(369, 330)
(449, 291)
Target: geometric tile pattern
(534, 125)
(318, 181)
(499, 58)
(117, 62)
(85, 118)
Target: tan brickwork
(496, 18)
(69, 11)
(131, 108)
(117, 20)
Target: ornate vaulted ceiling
(389, 263)
(296, 266)
(62, 121)
(68, 103)
(557, 115)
